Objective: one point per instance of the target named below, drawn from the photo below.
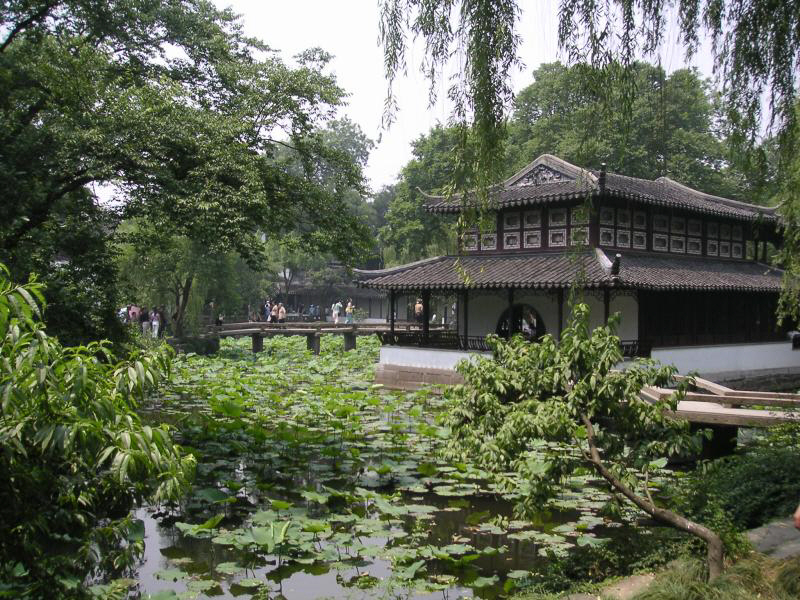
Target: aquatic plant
(318, 471)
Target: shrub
(751, 488)
(73, 453)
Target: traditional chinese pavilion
(686, 270)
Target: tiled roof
(666, 192)
(563, 181)
(364, 274)
(542, 270)
(671, 272)
(562, 269)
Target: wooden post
(606, 305)
(426, 316)
(391, 311)
(511, 323)
(313, 343)
(349, 341)
(258, 343)
(466, 319)
(560, 312)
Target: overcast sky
(348, 29)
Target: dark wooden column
(392, 295)
(465, 309)
(606, 305)
(511, 323)
(426, 316)
(560, 312)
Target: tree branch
(715, 549)
(38, 217)
(26, 23)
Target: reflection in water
(166, 546)
(315, 424)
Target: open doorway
(521, 319)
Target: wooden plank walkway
(312, 332)
(722, 406)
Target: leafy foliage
(485, 38)
(673, 129)
(751, 488)
(75, 455)
(179, 115)
(528, 407)
(410, 231)
(548, 410)
(754, 43)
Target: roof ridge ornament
(542, 174)
(605, 262)
(549, 169)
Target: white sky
(348, 29)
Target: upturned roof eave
(763, 213)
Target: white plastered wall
(485, 308)
(628, 308)
(728, 360)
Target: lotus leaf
(171, 575)
(228, 568)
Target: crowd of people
(153, 322)
(276, 312)
(273, 312)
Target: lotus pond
(314, 482)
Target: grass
(754, 577)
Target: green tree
(184, 277)
(672, 129)
(410, 231)
(754, 44)
(548, 410)
(169, 103)
(75, 454)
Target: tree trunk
(182, 291)
(715, 556)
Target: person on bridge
(162, 319)
(281, 313)
(336, 310)
(419, 308)
(265, 308)
(274, 313)
(348, 312)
